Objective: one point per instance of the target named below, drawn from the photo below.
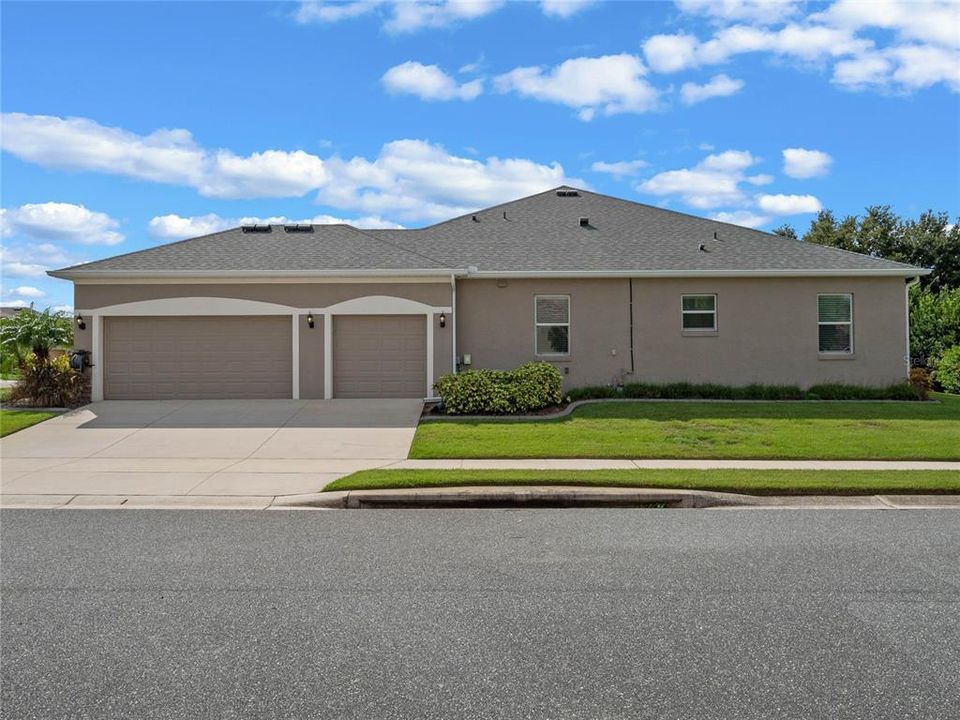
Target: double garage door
(251, 357)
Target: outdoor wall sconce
(81, 323)
(443, 319)
(309, 320)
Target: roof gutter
(70, 274)
(472, 272)
(906, 271)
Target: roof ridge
(499, 205)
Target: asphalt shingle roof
(540, 233)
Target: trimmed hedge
(690, 391)
(530, 387)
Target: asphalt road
(674, 614)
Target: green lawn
(759, 482)
(13, 420)
(769, 430)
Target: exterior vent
(476, 219)
(256, 228)
(567, 193)
(584, 222)
(298, 228)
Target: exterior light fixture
(309, 320)
(81, 323)
(443, 319)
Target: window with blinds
(552, 321)
(698, 312)
(835, 323)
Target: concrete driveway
(204, 448)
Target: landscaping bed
(859, 430)
(757, 482)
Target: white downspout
(453, 318)
(906, 310)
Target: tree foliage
(934, 324)
(929, 241)
(35, 332)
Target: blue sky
(135, 124)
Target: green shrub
(530, 387)
(690, 391)
(948, 370)
(934, 324)
(50, 383)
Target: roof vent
(584, 222)
(702, 248)
(476, 219)
(299, 228)
(567, 193)
(256, 228)
(715, 235)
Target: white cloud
(14, 303)
(62, 309)
(611, 84)
(413, 16)
(761, 11)
(803, 163)
(670, 53)
(935, 22)
(619, 169)
(406, 16)
(920, 47)
(761, 179)
(312, 12)
(788, 204)
(428, 82)
(414, 180)
(16, 268)
(922, 66)
(746, 218)
(29, 259)
(60, 221)
(408, 180)
(167, 156)
(564, 8)
(718, 86)
(26, 291)
(713, 182)
(177, 227)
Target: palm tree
(36, 332)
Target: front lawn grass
(13, 420)
(725, 430)
(757, 482)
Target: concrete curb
(579, 403)
(562, 496)
(519, 495)
(531, 496)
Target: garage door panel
(197, 357)
(379, 355)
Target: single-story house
(610, 291)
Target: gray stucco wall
(300, 295)
(767, 330)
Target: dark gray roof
(540, 233)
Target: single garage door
(152, 358)
(379, 356)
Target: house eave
(421, 275)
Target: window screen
(552, 320)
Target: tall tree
(786, 231)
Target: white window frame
(537, 325)
(833, 322)
(684, 313)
